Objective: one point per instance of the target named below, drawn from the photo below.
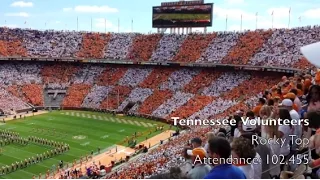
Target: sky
(106, 15)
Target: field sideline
(83, 131)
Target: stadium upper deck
(276, 48)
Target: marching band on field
(8, 137)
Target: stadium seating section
(278, 48)
(161, 92)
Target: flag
(77, 23)
(289, 10)
(25, 22)
(300, 18)
(91, 24)
(272, 13)
(105, 25)
(256, 13)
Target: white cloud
(312, 13)
(22, 4)
(57, 22)
(92, 9)
(20, 14)
(67, 9)
(280, 12)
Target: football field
(83, 131)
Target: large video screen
(182, 16)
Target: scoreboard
(182, 14)
(182, 3)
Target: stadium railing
(110, 61)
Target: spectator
(256, 110)
(221, 134)
(200, 169)
(239, 130)
(175, 173)
(285, 130)
(295, 121)
(296, 100)
(313, 117)
(265, 114)
(219, 148)
(197, 143)
(209, 135)
(237, 118)
(273, 133)
(243, 154)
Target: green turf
(83, 134)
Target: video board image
(182, 16)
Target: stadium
(87, 105)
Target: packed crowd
(137, 95)
(91, 170)
(279, 47)
(290, 99)
(96, 96)
(10, 103)
(75, 95)
(152, 90)
(283, 47)
(134, 76)
(166, 92)
(179, 79)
